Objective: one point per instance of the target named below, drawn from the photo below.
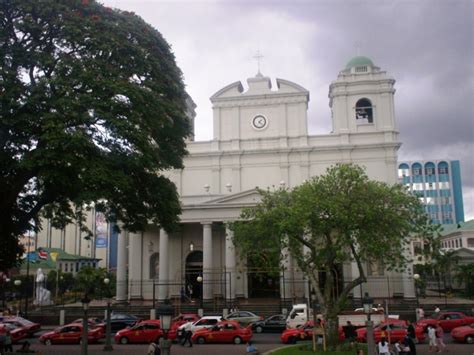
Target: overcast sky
(427, 46)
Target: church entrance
(192, 270)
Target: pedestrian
(251, 349)
(437, 310)
(25, 348)
(420, 313)
(182, 294)
(188, 334)
(440, 338)
(8, 342)
(411, 331)
(154, 349)
(410, 346)
(383, 347)
(398, 348)
(190, 291)
(350, 332)
(433, 346)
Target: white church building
(260, 140)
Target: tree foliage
(92, 108)
(334, 219)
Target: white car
(204, 322)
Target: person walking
(350, 332)
(437, 310)
(411, 331)
(8, 342)
(383, 347)
(188, 334)
(440, 338)
(433, 344)
(153, 349)
(420, 313)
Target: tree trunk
(331, 329)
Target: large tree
(92, 108)
(333, 219)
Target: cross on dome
(258, 57)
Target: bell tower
(361, 99)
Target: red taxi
(464, 334)
(446, 320)
(303, 332)
(30, 326)
(395, 329)
(16, 332)
(223, 332)
(144, 332)
(70, 334)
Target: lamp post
(165, 312)
(108, 330)
(17, 283)
(368, 303)
(416, 278)
(85, 325)
(200, 280)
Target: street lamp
(367, 303)
(85, 306)
(108, 330)
(200, 279)
(17, 283)
(165, 312)
(416, 277)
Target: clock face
(259, 122)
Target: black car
(120, 321)
(276, 323)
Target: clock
(259, 122)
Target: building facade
(260, 140)
(438, 185)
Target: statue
(42, 295)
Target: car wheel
(291, 340)
(201, 340)
(259, 329)
(470, 339)
(237, 340)
(124, 340)
(47, 342)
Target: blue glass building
(438, 185)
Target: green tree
(333, 219)
(90, 281)
(92, 108)
(465, 276)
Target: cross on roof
(258, 56)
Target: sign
(100, 230)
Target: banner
(100, 230)
(43, 254)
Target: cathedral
(260, 139)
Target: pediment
(248, 197)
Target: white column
(207, 260)
(135, 266)
(121, 288)
(230, 263)
(163, 277)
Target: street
(263, 342)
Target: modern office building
(438, 185)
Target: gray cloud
(427, 46)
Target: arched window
(429, 169)
(364, 111)
(443, 168)
(403, 170)
(154, 265)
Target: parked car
(70, 334)
(447, 320)
(144, 332)
(302, 332)
(396, 329)
(31, 327)
(120, 321)
(204, 322)
(243, 317)
(223, 332)
(464, 334)
(275, 323)
(17, 332)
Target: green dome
(359, 61)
